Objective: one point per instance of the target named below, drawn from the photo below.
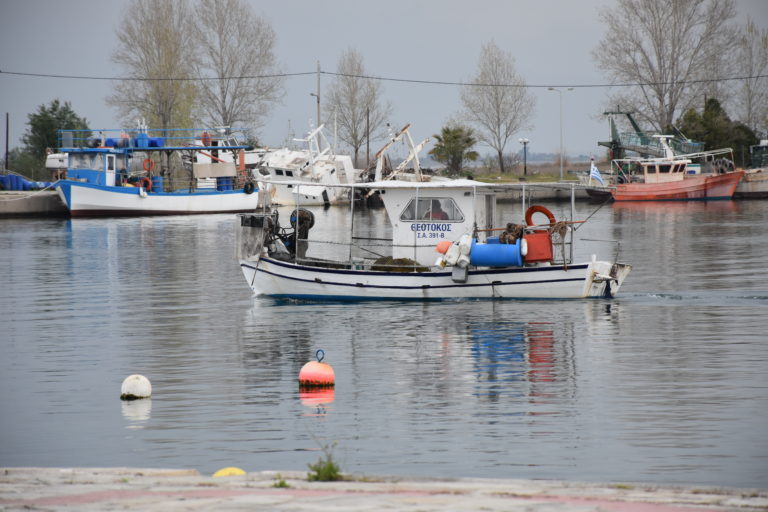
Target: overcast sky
(439, 40)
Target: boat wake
(701, 297)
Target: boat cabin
(99, 166)
(424, 215)
(664, 171)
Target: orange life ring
(538, 209)
(149, 165)
(146, 183)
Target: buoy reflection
(137, 412)
(316, 396)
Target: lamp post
(317, 94)
(318, 106)
(560, 93)
(524, 142)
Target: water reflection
(664, 384)
(136, 412)
(532, 360)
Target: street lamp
(318, 106)
(317, 94)
(560, 93)
(524, 142)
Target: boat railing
(635, 142)
(370, 253)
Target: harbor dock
(46, 203)
(126, 489)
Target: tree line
(213, 62)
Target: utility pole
(7, 124)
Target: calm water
(667, 383)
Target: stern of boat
(604, 278)
(251, 232)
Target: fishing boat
(754, 185)
(129, 172)
(317, 167)
(672, 177)
(444, 245)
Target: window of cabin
(97, 162)
(432, 208)
(278, 172)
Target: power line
(160, 79)
(544, 86)
(387, 79)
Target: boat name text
(430, 230)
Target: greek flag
(594, 174)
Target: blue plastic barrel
(157, 183)
(142, 140)
(496, 255)
(224, 183)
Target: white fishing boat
(131, 173)
(444, 245)
(317, 167)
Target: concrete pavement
(133, 489)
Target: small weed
(280, 482)
(325, 469)
(625, 487)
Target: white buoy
(135, 387)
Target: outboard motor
(255, 230)
(302, 221)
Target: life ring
(149, 165)
(146, 183)
(538, 209)
(249, 187)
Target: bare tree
(500, 105)
(752, 61)
(354, 101)
(674, 50)
(156, 50)
(237, 50)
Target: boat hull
(720, 186)
(288, 280)
(307, 195)
(85, 199)
(754, 185)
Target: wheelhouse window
(432, 208)
(278, 172)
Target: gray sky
(440, 40)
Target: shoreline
(83, 489)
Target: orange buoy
(316, 374)
(442, 247)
